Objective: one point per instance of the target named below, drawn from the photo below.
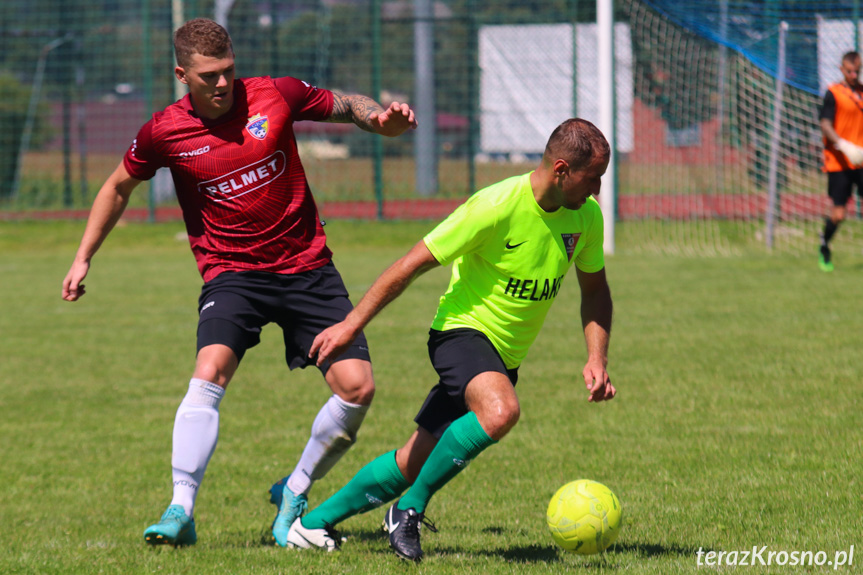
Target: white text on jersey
(246, 179)
(197, 152)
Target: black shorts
(457, 355)
(234, 306)
(839, 185)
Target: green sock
(373, 485)
(461, 442)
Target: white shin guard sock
(333, 432)
(196, 431)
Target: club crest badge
(569, 241)
(258, 126)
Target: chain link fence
(77, 80)
(699, 148)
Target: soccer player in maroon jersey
(259, 244)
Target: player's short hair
(200, 36)
(851, 57)
(578, 142)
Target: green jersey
(509, 258)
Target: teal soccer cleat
(174, 528)
(291, 507)
(277, 490)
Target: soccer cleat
(300, 537)
(174, 528)
(277, 490)
(824, 259)
(291, 507)
(404, 530)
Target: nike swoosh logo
(510, 247)
(390, 525)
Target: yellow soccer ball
(584, 517)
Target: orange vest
(848, 124)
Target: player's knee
(363, 393)
(837, 215)
(359, 395)
(213, 372)
(355, 385)
(498, 420)
(216, 364)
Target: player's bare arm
(110, 202)
(596, 314)
(828, 131)
(334, 340)
(371, 116)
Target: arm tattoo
(354, 108)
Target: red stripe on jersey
(243, 191)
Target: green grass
(737, 422)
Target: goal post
(727, 154)
(607, 197)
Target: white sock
(196, 431)
(333, 432)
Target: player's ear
(560, 167)
(180, 73)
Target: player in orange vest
(842, 126)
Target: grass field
(737, 424)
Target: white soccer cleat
(300, 537)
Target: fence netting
(701, 155)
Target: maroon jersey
(243, 191)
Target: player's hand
(852, 152)
(332, 342)
(72, 286)
(597, 382)
(395, 120)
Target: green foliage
(736, 423)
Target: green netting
(709, 151)
(699, 151)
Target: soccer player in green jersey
(510, 246)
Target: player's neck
(209, 112)
(542, 188)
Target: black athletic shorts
(234, 306)
(457, 355)
(839, 185)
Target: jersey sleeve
(141, 159)
(307, 102)
(828, 108)
(591, 258)
(463, 231)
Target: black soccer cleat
(404, 530)
(824, 258)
